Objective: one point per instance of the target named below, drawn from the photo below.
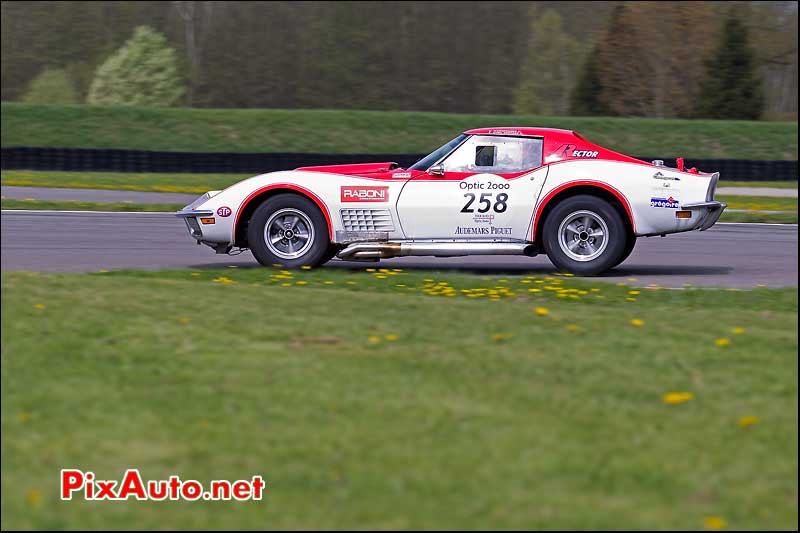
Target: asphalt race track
(728, 255)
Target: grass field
(769, 184)
(391, 400)
(7, 203)
(274, 130)
(759, 203)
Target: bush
(51, 86)
(143, 72)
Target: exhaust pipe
(373, 251)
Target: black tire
(607, 256)
(330, 253)
(313, 254)
(629, 244)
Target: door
(485, 189)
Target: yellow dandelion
(373, 339)
(391, 337)
(747, 421)
(370, 270)
(631, 299)
(183, 321)
(500, 337)
(714, 522)
(39, 306)
(327, 282)
(572, 327)
(738, 331)
(542, 311)
(305, 267)
(195, 274)
(634, 292)
(673, 398)
(301, 282)
(33, 497)
(722, 342)
(23, 417)
(286, 284)
(380, 276)
(638, 322)
(203, 424)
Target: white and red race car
(489, 191)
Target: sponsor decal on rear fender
(364, 194)
(670, 202)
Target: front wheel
(289, 230)
(584, 235)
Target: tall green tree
(548, 71)
(585, 98)
(732, 88)
(143, 72)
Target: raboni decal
(670, 202)
(364, 194)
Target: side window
(495, 154)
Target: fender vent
(367, 220)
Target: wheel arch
(573, 188)
(258, 196)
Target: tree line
(657, 59)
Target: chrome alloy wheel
(583, 235)
(289, 233)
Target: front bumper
(190, 216)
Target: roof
(528, 132)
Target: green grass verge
(180, 183)
(759, 203)
(276, 130)
(769, 184)
(45, 205)
(381, 400)
(759, 216)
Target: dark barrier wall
(90, 160)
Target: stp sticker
(364, 194)
(224, 211)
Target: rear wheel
(584, 235)
(629, 244)
(289, 230)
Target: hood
(356, 169)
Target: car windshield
(426, 162)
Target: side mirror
(436, 170)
